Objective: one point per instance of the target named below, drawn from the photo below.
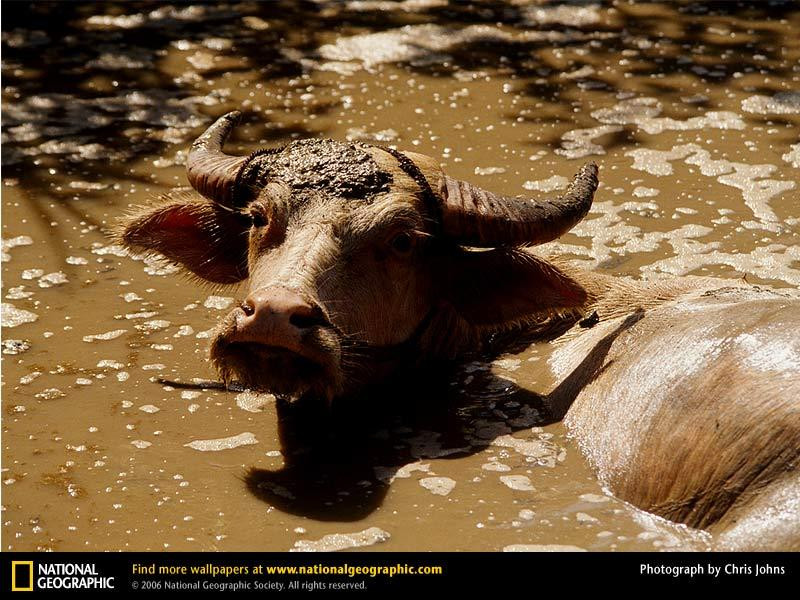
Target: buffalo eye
(258, 218)
(402, 243)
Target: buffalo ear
(505, 287)
(209, 241)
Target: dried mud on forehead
(325, 166)
(692, 113)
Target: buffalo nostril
(306, 320)
(280, 311)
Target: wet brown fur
(675, 419)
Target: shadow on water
(88, 90)
(339, 462)
(89, 80)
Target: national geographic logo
(25, 576)
(21, 575)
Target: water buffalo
(684, 394)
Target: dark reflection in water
(339, 461)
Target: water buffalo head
(355, 256)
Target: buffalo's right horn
(474, 217)
(210, 171)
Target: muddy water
(692, 114)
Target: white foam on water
(530, 448)
(489, 170)
(88, 185)
(508, 364)
(360, 134)
(8, 244)
(495, 466)
(29, 274)
(542, 548)
(645, 192)
(155, 325)
(218, 302)
(28, 379)
(643, 113)
(141, 315)
(155, 265)
(583, 517)
(253, 402)
(243, 439)
(418, 44)
(441, 486)
(341, 541)
(584, 71)
(782, 103)
(556, 182)
(15, 346)
(120, 22)
(526, 514)
(572, 16)
(520, 483)
(11, 316)
(108, 335)
(110, 249)
(626, 112)
(773, 261)
(109, 364)
(793, 156)
(751, 180)
(594, 498)
(184, 330)
(610, 236)
(579, 143)
(18, 293)
(389, 474)
(394, 5)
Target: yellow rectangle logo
(18, 567)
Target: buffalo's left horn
(210, 171)
(474, 217)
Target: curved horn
(475, 217)
(210, 171)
